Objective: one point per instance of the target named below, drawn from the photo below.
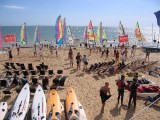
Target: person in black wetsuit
(105, 95)
(121, 86)
(133, 92)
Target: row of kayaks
(42, 110)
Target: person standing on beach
(56, 51)
(18, 49)
(102, 50)
(147, 55)
(133, 92)
(107, 52)
(105, 95)
(121, 87)
(78, 58)
(70, 56)
(126, 52)
(85, 62)
(10, 54)
(41, 52)
(117, 57)
(115, 52)
(35, 51)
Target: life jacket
(120, 84)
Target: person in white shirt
(85, 62)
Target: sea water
(47, 33)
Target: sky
(79, 12)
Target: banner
(123, 38)
(10, 38)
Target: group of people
(79, 59)
(105, 93)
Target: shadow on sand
(116, 111)
(98, 117)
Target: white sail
(121, 29)
(69, 36)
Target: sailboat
(24, 34)
(99, 33)
(90, 34)
(70, 39)
(121, 34)
(37, 35)
(138, 34)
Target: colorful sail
(64, 30)
(59, 33)
(37, 35)
(104, 37)
(157, 14)
(90, 32)
(69, 36)
(138, 33)
(99, 33)
(85, 35)
(24, 34)
(0, 38)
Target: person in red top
(121, 86)
(117, 56)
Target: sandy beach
(87, 85)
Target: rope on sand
(143, 109)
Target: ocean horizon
(47, 33)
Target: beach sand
(87, 85)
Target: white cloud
(14, 7)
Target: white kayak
(82, 112)
(39, 105)
(3, 109)
(21, 104)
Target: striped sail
(59, 33)
(64, 30)
(24, 34)
(37, 35)
(85, 35)
(0, 38)
(138, 33)
(104, 37)
(69, 36)
(99, 33)
(90, 32)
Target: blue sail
(157, 14)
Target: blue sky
(79, 12)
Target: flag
(157, 14)
(123, 38)
(10, 38)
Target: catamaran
(91, 38)
(24, 34)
